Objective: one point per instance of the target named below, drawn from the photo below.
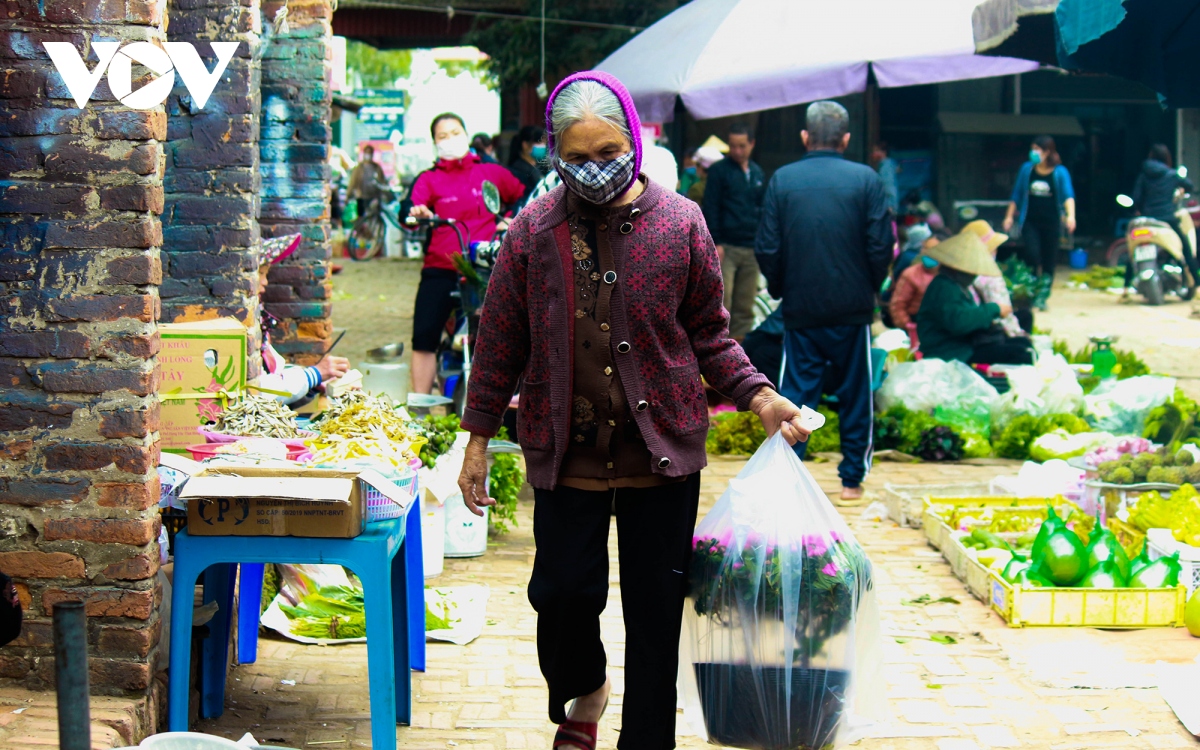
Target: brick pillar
(294, 152)
(212, 181)
(80, 198)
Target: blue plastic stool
(393, 586)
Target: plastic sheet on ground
(461, 609)
(924, 385)
(1052, 478)
(781, 645)
(1121, 406)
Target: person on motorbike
(367, 180)
(451, 190)
(1154, 196)
(1042, 203)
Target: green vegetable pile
(735, 433)
(1128, 365)
(740, 433)
(1100, 277)
(902, 429)
(1021, 283)
(1174, 423)
(440, 431)
(504, 484)
(1159, 467)
(332, 612)
(1015, 440)
(941, 443)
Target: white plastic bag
(1121, 406)
(923, 385)
(781, 645)
(1048, 387)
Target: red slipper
(576, 734)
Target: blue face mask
(539, 152)
(1035, 157)
(928, 262)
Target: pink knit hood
(622, 94)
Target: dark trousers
(1013, 351)
(569, 589)
(1041, 245)
(836, 359)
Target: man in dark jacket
(824, 244)
(732, 201)
(1154, 196)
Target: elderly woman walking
(606, 305)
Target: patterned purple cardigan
(669, 327)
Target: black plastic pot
(750, 707)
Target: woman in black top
(526, 157)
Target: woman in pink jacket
(451, 190)
(606, 305)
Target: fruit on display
(1179, 512)
(1061, 558)
(1016, 565)
(1162, 573)
(1191, 614)
(1049, 526)
(1028, 577)
(1126, 445)
(1104, 547)
(1159, 467)
(1104, 575)
(1141, 561)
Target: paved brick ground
(489, 695)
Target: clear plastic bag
(1049, 387)
(1121, 406)
(922, 386)
(781, 646)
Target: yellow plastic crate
(1025, 606)
(1131, 538)
(906, 502)
(967, 569)
(950, 512)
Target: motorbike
(1155, 252)
(1159, 246)
(475, 262)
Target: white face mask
(454, 147)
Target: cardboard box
(196, 359)
(259, 501)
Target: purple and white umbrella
(728, 57)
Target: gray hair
(586, 100)
(826, 122)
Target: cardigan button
(626, 228)
(635, 213)
(642, 406)
(610, 277)
(664, 462)
(623, 347)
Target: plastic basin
(189, 741)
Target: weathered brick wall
(80, 197)
(294, 152)
(212, 181)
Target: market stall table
(393, 587)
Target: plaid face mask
(598, 182)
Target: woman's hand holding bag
(778, 413)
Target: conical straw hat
(964, 252)
(991, 238)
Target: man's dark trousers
(835, 359)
